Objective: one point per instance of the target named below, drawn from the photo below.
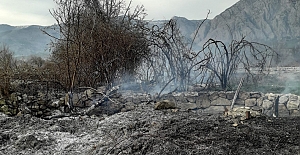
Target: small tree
(7, 67)
(100, 40)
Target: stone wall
(281, 105)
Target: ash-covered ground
(148, 131)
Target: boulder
(221, 101)
(267, 104)
(250, 102)
(164, 104)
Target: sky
(36, 12)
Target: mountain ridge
(275, 22)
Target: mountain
(259, 20)
(27, 40)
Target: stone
(213, 96)
(269, 112)
(191, 99)
(187, 106)
(255, 95)
(214, 109)
(293, 105)
(267, 105)
(164, 104)
(250, 102)
(293, 97)
(283, 99)
(259, 101)
(221, 101)
(239, 102)
(230, 95)
(283, 111)
(271, 96)
(222, 95)
(203, 103)
(181, 98)
(243, 95)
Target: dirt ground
(149, 131)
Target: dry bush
(100, 40)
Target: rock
(203, 102)
(293, 105)
(269, 112)
(230, 95)
(283, 111)
(271, 96)
(239, 102)
(250, 102)
(221, 101)
(259, 101)
(187, 106)
(293, 97)
(213, 96)
(191, 99)
(165, 104)
(222, 95)
(214, 109)
(243, 95)
(283, 99)
(267, 105)
(255, 95)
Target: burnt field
(148, 131)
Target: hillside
(26, 40)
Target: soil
(148, 131)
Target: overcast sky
(36, 12)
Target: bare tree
(239, 58)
